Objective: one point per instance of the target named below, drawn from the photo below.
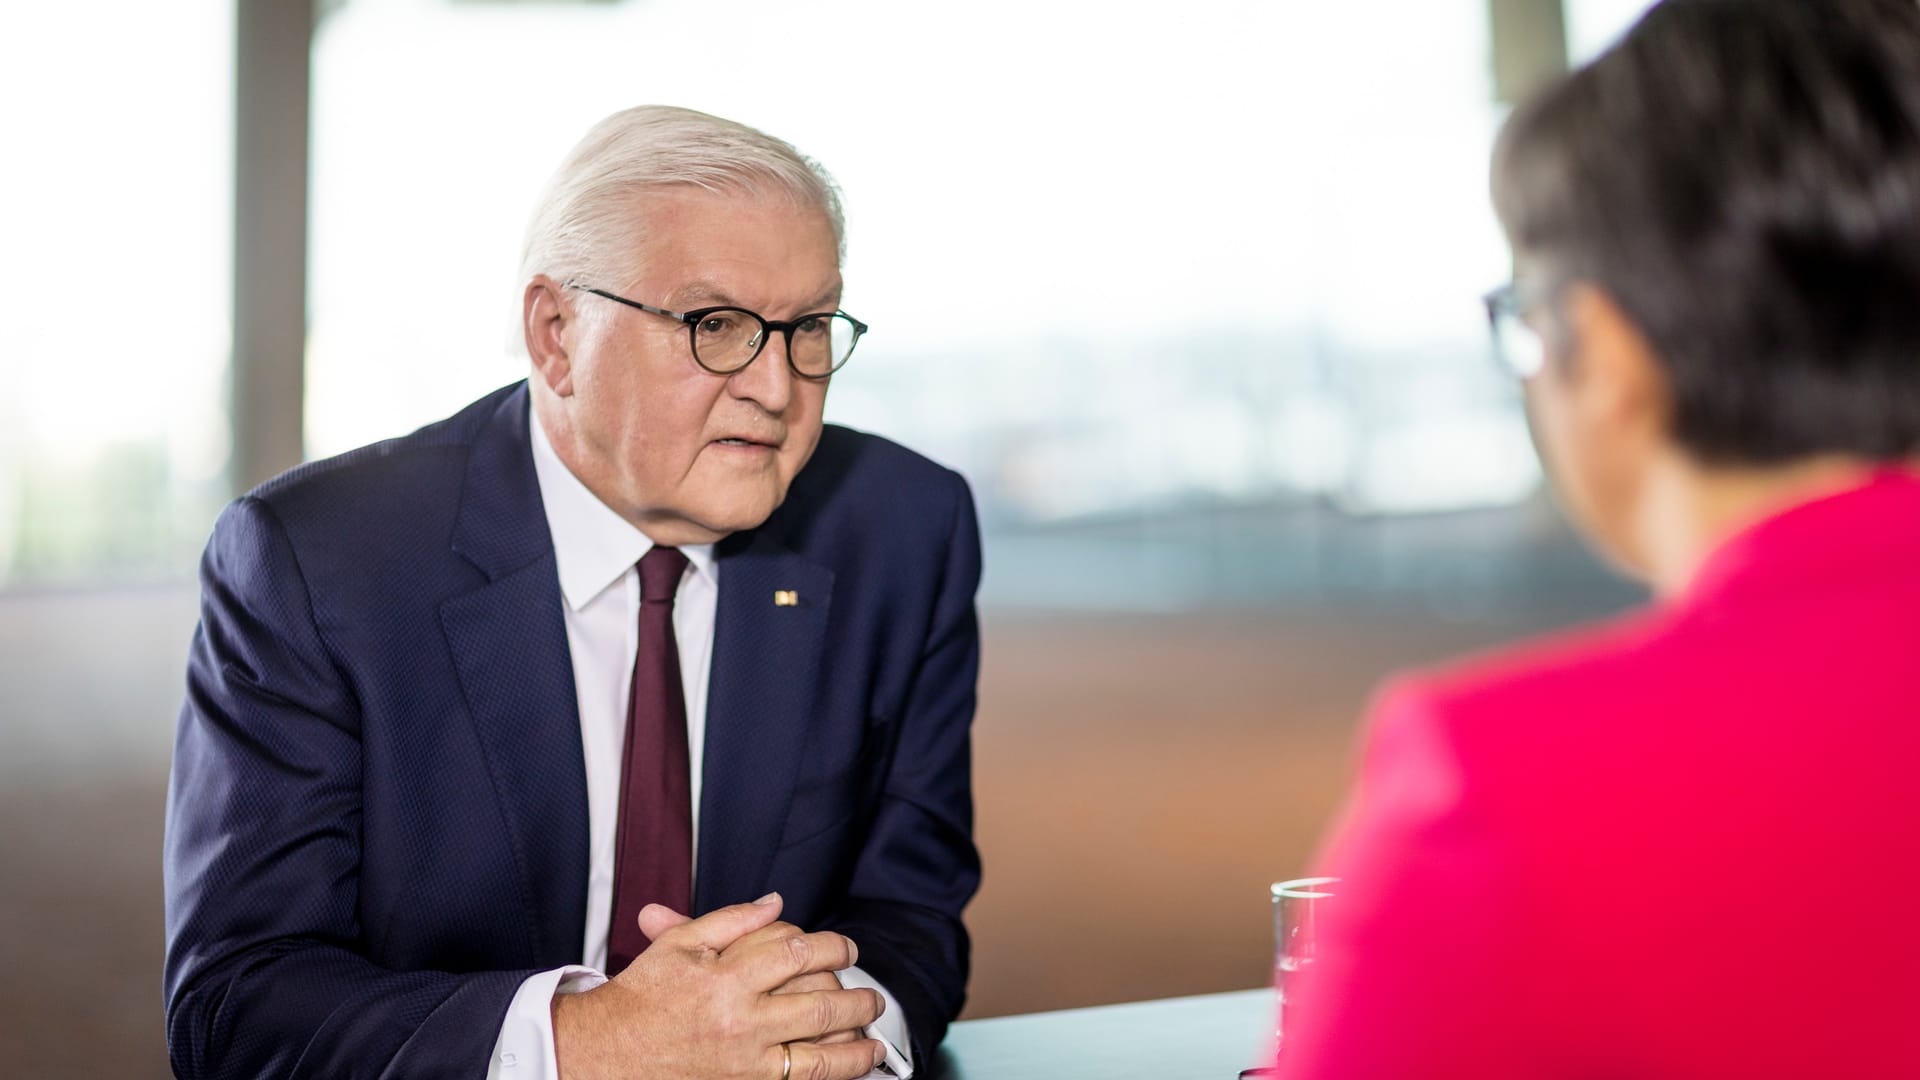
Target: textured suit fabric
(1683, 844)
(377, 821)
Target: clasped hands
(726, 996)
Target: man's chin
(738, 515)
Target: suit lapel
(509, 644)
(767, 656)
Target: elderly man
(1682, 844)
(477, 719)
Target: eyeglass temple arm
(570, 283)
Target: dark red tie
(653, 845)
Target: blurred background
(1188, 291)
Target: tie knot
(660, 571)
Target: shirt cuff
(524, 1050)
(890, 1029)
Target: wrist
(577, 1026)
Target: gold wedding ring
(786, 1061)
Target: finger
(822, 1012)
(720, 928)
(832, 1037)
(819, 980)
(841, 1061)
(774, 931)
(657, 919)
(768, 964)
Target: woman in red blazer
(1687, 842)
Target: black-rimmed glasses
(726, 339)
(1517, 347)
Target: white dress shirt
(596, 552)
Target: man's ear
(1612, 369)
(544, 315)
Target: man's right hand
(699, 1004)
(656, 920)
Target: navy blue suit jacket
(377, 821)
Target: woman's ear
(1611, 372)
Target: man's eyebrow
(699, 291)
(819, 303)
(704, 293)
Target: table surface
(1210, 1037)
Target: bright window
(1175, 290)
(115, 208)
(1231, 249)
(1188, 227)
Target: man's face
(687, 455)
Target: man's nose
(768, 381)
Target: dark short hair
(1743, 178)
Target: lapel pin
(786, 598)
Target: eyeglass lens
(728, 339)
(1519, 346)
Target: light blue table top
(1210, 1037)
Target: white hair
(584, 226)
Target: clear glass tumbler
(1297, 908)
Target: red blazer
(1686, 843)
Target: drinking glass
(1297, 908)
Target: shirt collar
(593, 547)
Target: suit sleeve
(919, 866)
(262, 854)
(1419, 968)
